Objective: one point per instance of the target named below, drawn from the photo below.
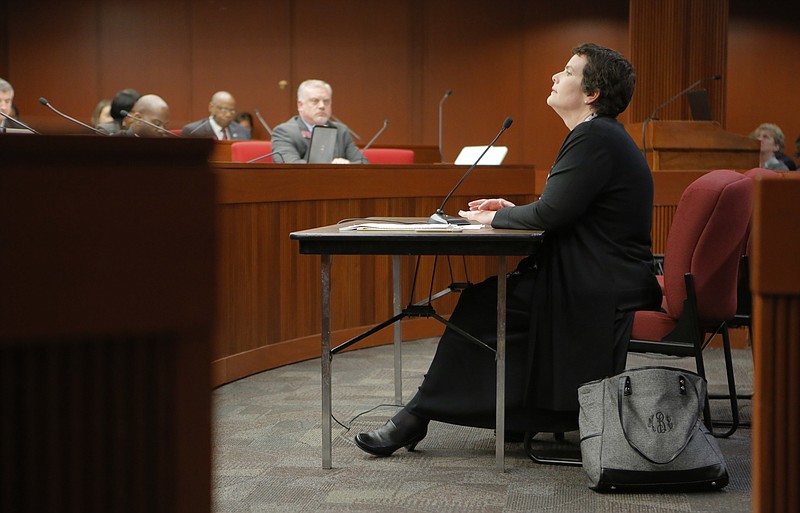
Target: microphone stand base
(442, 218)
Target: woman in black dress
(570, 306)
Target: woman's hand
(483, 210)
(490, 204)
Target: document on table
(415, 227)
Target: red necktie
(224, 134)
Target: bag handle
(625, 389)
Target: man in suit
(292, 139)
(153, 109)
(7, 105)
(219, 124)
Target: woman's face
(768, 144)
(566, 94)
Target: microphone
(441, 102)
(439, 217)
(342, 122)
(153, 125)
(20, 123)
(268, 155)
(668, 102)
(195, 129)
(264, 123)
(44, 102)
(365, 148)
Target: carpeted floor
(267, 449)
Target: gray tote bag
(642, 430)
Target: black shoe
(388, 438)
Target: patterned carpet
(267, 449)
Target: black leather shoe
(388, 438)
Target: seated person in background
(102, 113)
(152, 108)
(570, 305)
(771, 137)
(315, 107)
(7, 106)
(123, 100)
(245, 119)
(219, 124)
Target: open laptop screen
(493, 157)
(323, 142)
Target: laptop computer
(699, 105)
(323, 142)
(493, 157)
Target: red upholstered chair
(389, 156)
(701, 266)
(245, 151)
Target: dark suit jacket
(202, 128)
(293, 140)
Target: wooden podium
(107, 271)
(694, 145)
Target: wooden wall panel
(243, 47)
(761, 85)
(673, 44)
(52, 52)
(147, 47)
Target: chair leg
(726, 347)
(571, 459)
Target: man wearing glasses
(292, 139)
(220, 123)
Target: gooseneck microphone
(264, 123)
(441, 103)
(262, 157)
(374, 138)
(44, 102)
(439, 217)
(668, 102)
(198, 127)
(153, 125)
(20, 123)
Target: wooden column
(776, 346)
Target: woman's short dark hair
(123, 100)
(610, 73)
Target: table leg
(398, 331)
(326, 361)
(500, 414)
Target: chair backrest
(389, 156)
(244, 151)
(706, 239)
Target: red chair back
(245, 151)
(389, 156)
(706, 239)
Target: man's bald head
(154, 109)
(222, 108)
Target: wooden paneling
(673, 44)
(776, 346)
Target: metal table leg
(398, 331)
(326, 361)
(500, 356)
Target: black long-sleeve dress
(570, 306)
